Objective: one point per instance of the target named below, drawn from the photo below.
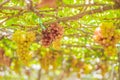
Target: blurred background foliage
(79, 19)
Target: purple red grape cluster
(53, 32)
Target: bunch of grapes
(16, 66)
(45, 63)
(80, 67)
(23, 40)
(47, 38)
(56, 30)
(52, 33)
(76, 64)
(48, 59)
(54, 56)
(107, 36)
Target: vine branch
(4, 2)
(80, 15)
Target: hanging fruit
(56, 30)
(52, 33)
(16, 66)
(87, 68)
(23, 40)
(50, 58)
(44, 61)
(108, 36)
(47, 38)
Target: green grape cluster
(23, 40)
(45, 63)
(108, 36)
(50, 58)
(54, 56)
(78, 66)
